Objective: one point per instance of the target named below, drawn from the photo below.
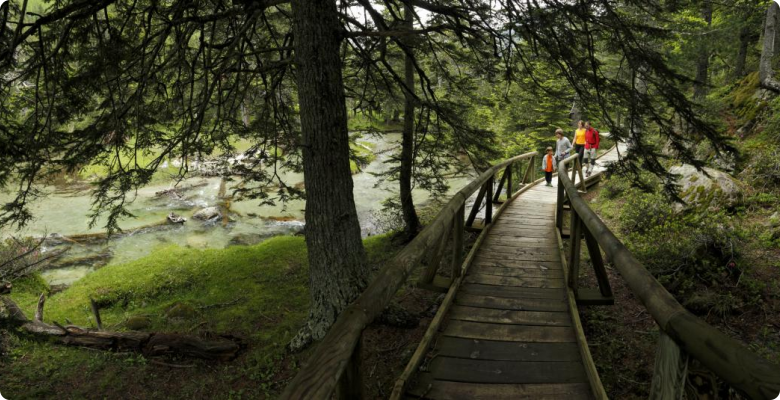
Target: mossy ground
(256, 293)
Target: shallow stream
(62, 214)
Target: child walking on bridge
(548, 166)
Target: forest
(432, 199)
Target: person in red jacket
(592, 140)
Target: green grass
(257, 293)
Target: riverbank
(258, 294)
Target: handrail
(321, 375)
(726, 357)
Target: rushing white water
(64, 211)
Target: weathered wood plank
(552, 283)
(497, 256)
(509, 303)
(523, 233)
(486, 371)
(529, 249)
(491, 269)
(518, 241)
(510, 333)
(489, 315)
(504, 221)
(506, 351)
(523, 264)
(512, 292)
(429, 388)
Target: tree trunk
(744, 44)
(337, 260)
(765, 71)
(703, 61)
(411, 222)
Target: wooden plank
(512, 215)
(489, 315)
(553, 283)
(489, 257)
(507, 303)
(518, 222)
(523, 233)
(509, 333)
(525, 249)
(523, 264)
(513, 292)
(429, 388)
(487, 371)
(516, 241)
(506, 351)
(671, 370)
(483, 269)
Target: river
(63, 212)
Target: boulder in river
(207, 214)
(176, 219)
(699, 189)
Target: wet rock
(176, 219)
(138, 322)
(697, 189)
(207, 214)
(181, 311)
(774, 220)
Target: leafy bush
(685, 252)
(644, 211)
(613, 188)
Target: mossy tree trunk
(766, 72)
(411, 221)
(703, 61)
(337, 259)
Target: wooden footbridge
(509, 327)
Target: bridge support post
(509, 182)
(575, 247)
(457, 242)
(671, 370)
(559, 205)
(351, 382)
(488, 203)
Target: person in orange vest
(579, 140)
(548, 166)
(592, 140)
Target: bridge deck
(510, 332)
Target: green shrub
(613, 188)
(644, 211)
(688, 251)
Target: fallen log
(150, 344)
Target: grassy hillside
(257, 293)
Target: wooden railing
(335, 365)
(683, 335)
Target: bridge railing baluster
(350, 386)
